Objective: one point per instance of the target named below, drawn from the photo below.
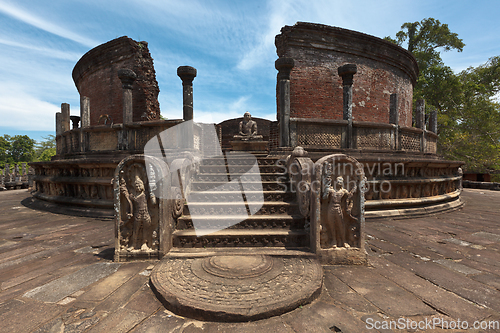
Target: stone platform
(236, 287)
(441, 267)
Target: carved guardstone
(248, 138)
(337, 210)
(141, 185)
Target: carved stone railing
(374, 136)
(317, 133)
(330, 134)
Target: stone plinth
(237, 287)
(249, 145)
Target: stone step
(241, 238)
(253, 222)
(241, 161)
(239, 208)
(235, 196)
(240, 169)
(245, 177)
(279, 185)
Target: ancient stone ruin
(250, 207)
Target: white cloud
(40, 23)
(23, 111)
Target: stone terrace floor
(443, 268)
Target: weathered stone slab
(444, 301)
(457, 267)
(489, 279)
(341, 293)
(160, 322)
(25, 316)
(122, 320)
(459, 284)
(104, 288)
(337, 319)
(385, 294)
(144, 301)
(122, 294)
(307, 320)
(58, 289)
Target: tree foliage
(21, 148)
(46, 148)
(468, 113)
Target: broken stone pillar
(2, 182)
(85, 120)
(284, 67)
(127, 77)
(433, 126)
(420, 121)
(58, 123)
(187, 75)
(85, 111)
(65, 117)
(347, 73)
(394, 119)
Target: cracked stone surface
(443, 266)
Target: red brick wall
(316, 88)
(95, 76)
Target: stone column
(284, 67)
(127, 76)
(394, 119)
(58, 123)
(347, 73)
(65, 114)
(433, 125)
(85, 120)
(420, 121)
(85, 111)
(187, 75)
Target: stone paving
(57, 275)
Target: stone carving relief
(138, 226)
(338, 227)
(337, 195)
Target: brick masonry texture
(316, 87)
(95, 76)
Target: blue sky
(231, 43)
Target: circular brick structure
(236, 287)
(318, 50)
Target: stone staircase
(234, 202)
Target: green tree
(468, 114)
(470, 130)
(22, 148)
(5, 148)
(46, 148)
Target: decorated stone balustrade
(113, 137)
(312, 133)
